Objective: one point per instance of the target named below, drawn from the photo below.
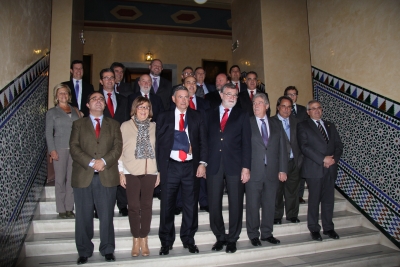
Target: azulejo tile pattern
(369, 126)
(23, 165)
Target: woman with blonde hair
(138, 171)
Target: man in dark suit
(95, 147)
(121, 87)
(268, 167)
(234, 73)
(229, 152)
(186, 72)
(200, 75)
(321, 146)
(290, 188)
(116, 108)
(160, 86)
(300, 113)
(245, 100)
(145, 91)
(214, 97)
(181, 150)
(79, 89)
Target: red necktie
(224, 119)
(110, 105)
(97, 127)
(191, 104)
(251, 95)
(146, 96)
(237, 86)
(182, 154)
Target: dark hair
(156, 59)
(187, 68)
(140, 100)
(234, 66)
(199, 68)
(180, 88)
(76, 61)
(90, 95)
(278, 103)
(106, 70)
(252, 72)
(117, 64)
(291, 88)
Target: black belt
(186, 161)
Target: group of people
(188, 144)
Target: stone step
(371, 255)
(64, 243)
(51, 223)
(291, 245)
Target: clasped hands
(98, 165)
(329, 161)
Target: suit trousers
(302, 186)
(180, 174)
(140, 203)
(260, 194)
(203, 198)
(288, 189)
(104, 199)
(235, 187)
(122, 200)
(62, 186)
(320, 190)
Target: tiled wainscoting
(369, 125)
(23, 165)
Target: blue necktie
(77, 91)
(155, 85)
(287, 130)
(264, 135)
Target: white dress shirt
(175, 153)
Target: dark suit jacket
(210, 87)
(214, 99)
(125, 89)
(87, 88)
(199, 90)
(246, 104)
(84, 146)
(156, 104)
(121, 112)
(243, 87)
(292, 144)
(314, 148)
(165, 128)
(231, 147)
(277, 157)
(164, 91)
(301, 113)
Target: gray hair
(313, 102)
(180, 88)
(262, 96)
(228, 85)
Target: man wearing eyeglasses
(116, 108)
(95, 146)
(229, 154)
(321, 146)
(188, 72)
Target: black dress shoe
(231, 247)
(316, 236)
(164, 250)
(332, 234)
(219, 245)
(205, 208)
(293, 220)
(301, 200)
(109, 257)
(123, 212)
(255, 242)
(277, 221)
(271, 240)
(178, 211)
(82, 260)
(192, 248)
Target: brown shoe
(136, 247)
(70, 214)
(144, 247)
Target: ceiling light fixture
(200, 2)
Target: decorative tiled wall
(369, 170)
(23, 165)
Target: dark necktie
(191, 103)
(264, 135)
(294, 110)
(110, 105)
(224, 119)
(145, 95)
(155, 85)
(237, 86)
(117, 88)
(321, 129)
(182, 154)
(251, 95)
(77, 92)
(97, 127)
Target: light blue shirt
(287, 131)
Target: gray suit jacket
(292, 144)
(58, 127)
(277, 156)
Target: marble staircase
(51, 242)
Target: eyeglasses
(97, 99)
(314, 109)
(231, 95)
(143, 108)
(109, 78)
(289, 95)
(187, 73)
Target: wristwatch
(203, 163)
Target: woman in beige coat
(138, 171)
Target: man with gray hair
(268, 166)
